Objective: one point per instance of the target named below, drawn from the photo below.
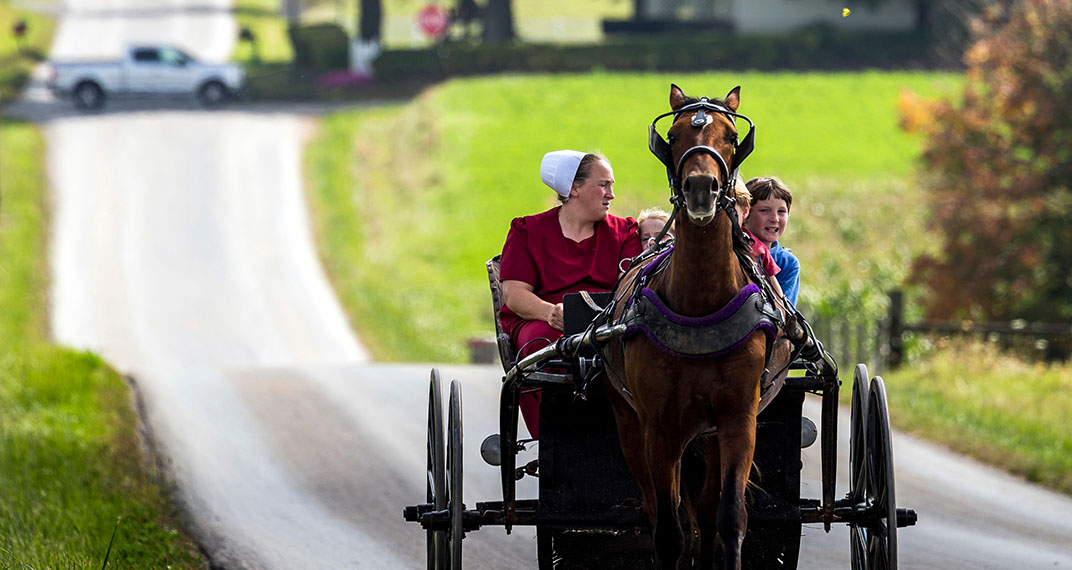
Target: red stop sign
(432, 20)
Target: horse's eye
(731, 138)
(671, 139)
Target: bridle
(661, 149)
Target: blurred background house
(750, 16)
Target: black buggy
(589, 512)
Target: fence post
(895, 322)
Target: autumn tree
(998, 171)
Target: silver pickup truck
(145, 70)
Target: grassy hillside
(413, 199)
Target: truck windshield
(174, 57)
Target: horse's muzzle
(700, 191)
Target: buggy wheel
(882, 531)
(454, 477)
(858, 464)
(437, 539)
(858, 435)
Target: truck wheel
(88, 96)
(212, 94)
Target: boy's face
(768, 220)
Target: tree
(999, 171)
(370, 20)
(498, 21)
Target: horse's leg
(663, 457)
(631, 438)
(694, 463)
(737, 442)
(708, 503)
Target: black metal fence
(1046, 341)
(853, 341)
(881, 343)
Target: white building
(777, 15)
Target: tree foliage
(998, 163)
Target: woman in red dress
(575, 246)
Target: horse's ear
(677, 97)
(733, 99)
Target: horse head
(701, 152)
(700, 141)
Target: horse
(665, 397)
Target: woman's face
(594, 195)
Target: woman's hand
(554, 317)
(519, 296)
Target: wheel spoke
(858, 543)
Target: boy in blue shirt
(768, 220)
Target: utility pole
(292, 10)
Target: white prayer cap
(558, 168)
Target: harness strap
(701, 337)
(588, 300)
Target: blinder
(661, 149)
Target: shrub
(320, 47)
(999, 162)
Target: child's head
(650, 222)
(768, 187)
(769, 215)
(743, 199)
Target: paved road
(181, 251)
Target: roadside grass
(998, 409)
(19, 56)
(411, 200)
(71, 466)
